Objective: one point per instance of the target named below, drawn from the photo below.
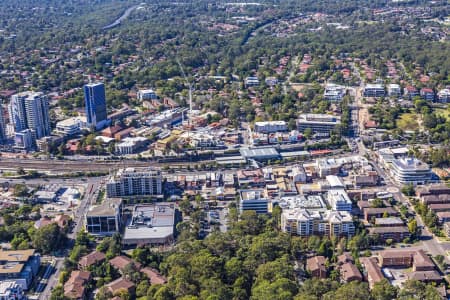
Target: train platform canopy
(260, 153)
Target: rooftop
(107, 208)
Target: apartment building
(147, 94)
(427, 94)
(11, 290)
(135, 182)
(411, 92)
(304, 222)
(339, 200)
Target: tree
(413, 289)
(20, 190)
(353, 290)
(408, 190)
(48, 238)
(383, 290)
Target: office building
(151, 225)
(71, 126)
(334, 92)
(410, 170)
(374, 90)
(95, 101)
(305, 222)
(11, 290)
(20, 266)
(147, 94)
(130, 145)
(339, 200)
(270, 126)
(318, 123)
(253, 200)
(104, 219)
(29, 110)
(135, 182)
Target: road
(121, 18)
(90, 197)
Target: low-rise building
(147, 94)
(71, 126)
(270, 126)
(334, 92)
(104, 219)
(394, 90)
(251, 81)
(427, 94)
(151, 225)
(75, 287)
(349, 272)
(397, 233)
(91, 259)
(372, 272)
(372, 213)
(389, 222)
(130, 145)
(444, 96)
(121, 284)
(11, 290)
(20, 266)
(374, 90)
(316, 267)
(318, 123)
(411, 92)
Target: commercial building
(318, 123)
(334, 92)
(95, 101)
(394, 90)
(410, 170)
(29, 110)
(151, 225)
(20, 266)
(130, 145)
(253, 200)
(339, 200)
(11, 290)
(135, 182)
(270, 126)
(104, 219)
(374, 90)
(71, 126)
(148, 94)
(304, 222)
